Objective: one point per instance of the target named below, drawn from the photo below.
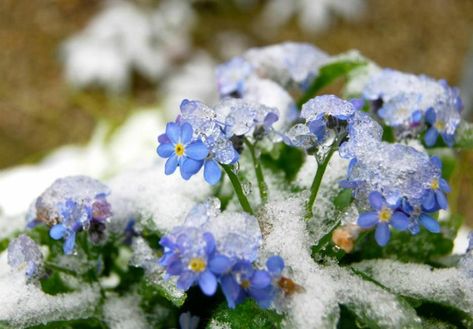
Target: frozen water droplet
(247, 187)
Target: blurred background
(68, 66)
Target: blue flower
(383, 216)
(232, 75)
(434, 198)
(437, 127)
(191, 255)
(177, 145)
(245, 281)
(419, 215)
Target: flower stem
(314, 188)
(263, 188)
(245, 204)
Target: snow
(26, 304)
(124, 313)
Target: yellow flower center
(385, 214)
(435, 184)
(179, 149)
(439, 125)
(245, 284)
(197, 264)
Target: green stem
(59, 268)
(245, 204)
(263, 188)
(314, 188)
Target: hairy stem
(314, 188)
(245, 204)
(263, 188)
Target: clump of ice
(25, 255)
(124, 313)
(26, 304)
(449, 286)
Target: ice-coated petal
(197, 150)
(209, 243)
(449, 139)
(186, 133)
(69, 243)
(429, 223)
(171, 165)
(382, 234)
(208, 283)
(317, 127)
(376, 200)
(399, 221)
(220, 264)
(260, 279)
(368, 219)
(185, 280)
(444, 185)
(57, 231)
(212, 172)
(165, 150)
(231, 289)
(436, 162)
(441, 199)
(173, 131)
(431, 136)
(275, 265)
(428, 201)
(430, 116)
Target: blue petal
(270, 118)
(376, 200)
(429, 223)
(57, 231)
(275, 265)
(317, 127)
(260, 279)
(444, 185)
(165, 150)
(263, 297)
(175, 266)
(416, 116)
(208, 283)
(399, 221)
(171, 165)
(448, 139)
(186, 133)
(368, 219)
(436, 162)
(209, 243)
(431, 136)
(173, 131)
(69, 243)
(212, 172)
(231, 289)
(197, 150)
(220, 264)
(190, 167)
(430, 116)
(428, 201)
(441, 199)
(185, 280)
(382, 234)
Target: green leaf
(343, 199)
(464, 136)
(247, 315)
(284, 158)
(327, 74)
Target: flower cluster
(410, 103)
(209, 250)
(206, 137)
(71, 205)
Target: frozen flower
(24, 255)
(178, 146)
(326, 112)
(419, 215)
(382, 217)
(232, 75)
(245, 281)
(74, 204)
(434, 198)
(190, 254)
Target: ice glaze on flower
(383, 216)
(24, 255)
(232, 75)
